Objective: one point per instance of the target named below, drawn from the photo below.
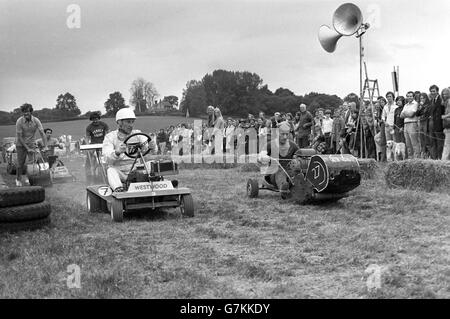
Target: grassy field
(235, 247)
(78, 128)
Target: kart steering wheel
(135, 146)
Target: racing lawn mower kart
(313, 177)
(145, 187)
(47, 170)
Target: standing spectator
(162, 140)
(417, 96)
(317, 128)
(388, 115)
(95, 134)
(26, 127)
(337, 131)
(97, 130)
(303, 130)
(423, 114)
(399, 122)
(369, 133)
(411, 128)
(346, 112)
(276, 119)
(381, 139)
(210, 113)
(262, 116)
(327, 128)
(353, 133)
(435, 127)
(446, 124)
(229, 135)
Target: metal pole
(361, 101)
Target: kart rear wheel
(93, 203)
(252, 188)
(117, 210)
(187, 205)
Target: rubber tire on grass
(252, 188)
(187, 205)
(93, 203)
(25, 225)
(21, 196)
(117, 210)
(24, 212)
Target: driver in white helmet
(114, 149)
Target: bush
(427, 175)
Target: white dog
(395, 151)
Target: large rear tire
(187, 205)
(21, 196)
(252, 188)
(117, 210)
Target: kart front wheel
(93, 203)
(252, 188)
(117, 210)
(187, 205)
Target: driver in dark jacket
(114, 149)
(286, 150)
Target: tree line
(235, 93)
(243, 93)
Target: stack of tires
(23, 208)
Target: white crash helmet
(125, 113)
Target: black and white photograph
(224, 154)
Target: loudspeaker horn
(347, 19)
(328, 38)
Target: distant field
(77, 128)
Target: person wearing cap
(286, 151)
(303, 128)
(52, 143)
(95, 133)
(114, 149)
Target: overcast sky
(169, 42)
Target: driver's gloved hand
(120, 148)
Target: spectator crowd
(418, 125)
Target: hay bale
(368, 167)
(425, 175)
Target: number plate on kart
(145, 187)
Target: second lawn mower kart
(47, 170)
(145, 188)
(313, 177)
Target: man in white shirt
(411, 128)
(388, 115)
(327, 128)
(114, 149)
